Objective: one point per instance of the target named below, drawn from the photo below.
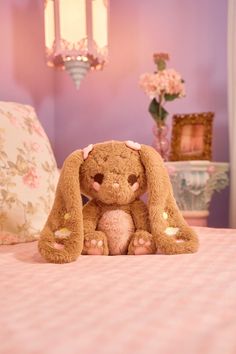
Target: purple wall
(109, 104)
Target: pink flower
(147, 83)
(31, 179)
(211, 169)
(160, 56)
(164, 85)
(166, 81)
(32, 146)
(13, 120)
(35, 147)
(37, 128)
(8, 238)
(171, 170)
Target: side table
(194, 183)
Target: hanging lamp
(76, 35)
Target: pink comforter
(122, 304)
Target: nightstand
(194, 183)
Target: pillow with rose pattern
(28, 174)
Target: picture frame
(192, 136)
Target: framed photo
(192, 136)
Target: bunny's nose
(116, 185)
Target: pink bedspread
(122, 304)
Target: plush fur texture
(115, 221)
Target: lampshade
(76, 35)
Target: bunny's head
(113, 173)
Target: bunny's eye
(98, 178)
(132, 179)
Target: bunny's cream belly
(118, 227)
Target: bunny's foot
(142, 243)
(95, 244)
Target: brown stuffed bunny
(115, 221)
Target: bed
(121, 304)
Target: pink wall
(23, 74)
(109, 104)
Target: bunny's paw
(142, 243)
(95, 244)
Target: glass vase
(161, 141)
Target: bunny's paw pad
(142, 247)
(93, 247)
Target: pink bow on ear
(132, 145)
(87, 150)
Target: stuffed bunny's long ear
(170, 230)
(61, 240)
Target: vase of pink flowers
(162, 86)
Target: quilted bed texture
(183, 304)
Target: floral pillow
(28, 174)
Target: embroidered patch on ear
(132, 145)
(62, 233)
(67, 216)
(165, 215)
(87, 150)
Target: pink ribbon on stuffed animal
(132, 145)
(87, 150)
